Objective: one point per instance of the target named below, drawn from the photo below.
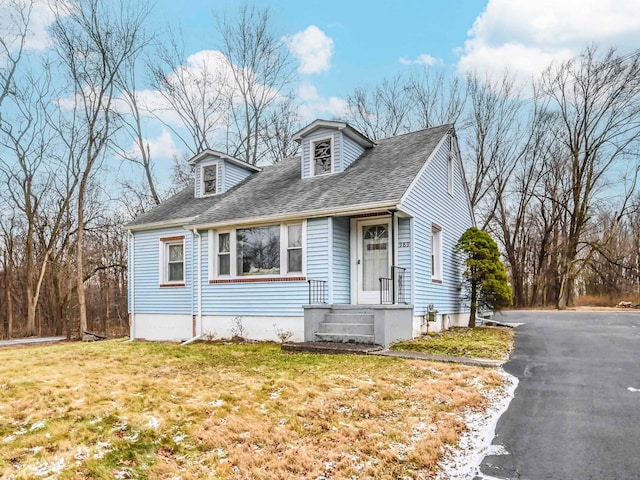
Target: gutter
(198, 271)
(351, 210)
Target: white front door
(373, 258)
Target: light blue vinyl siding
(318, 249)
(429, 202)
(233, 175)
(268, 298)
(404, 254)
(350, 152)
(341, 261)
(229, 175)
(307, 153)
(149, 296)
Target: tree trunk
(474, 302)
(82, 302)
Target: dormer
(217, 172)
(329, 147)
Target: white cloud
(525, 36)
(313, 105)
(312, 48)
(161, 146)
(40, 18)
(422, 59)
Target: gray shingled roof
(381, 175)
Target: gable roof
(344, 127)
(378, 178)
(216, 154)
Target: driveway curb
(476, 362)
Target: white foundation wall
(442, 322)
(169, 327)
(255, 328)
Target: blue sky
(369, 38)
(339, 45)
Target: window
(436, 253)
(451, 165)
(172, 261)
(258, 250)
(322, 157)
(272, 250)
(294, 248)
(209, 179)
(224, 253)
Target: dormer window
(209, 179)
(322, 157)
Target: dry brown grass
(143, 410)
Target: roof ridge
(416, 131)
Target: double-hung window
(172, 261)
(224, 253)
(294, 248)
(267, 251)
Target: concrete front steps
(347, 324)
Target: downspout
(132, 285)
(198, 271)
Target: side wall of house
(431, 204)
(350, 152)
(233, 175)
(161, 312)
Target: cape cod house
(353, 240)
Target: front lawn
(150, 410)
(480, 342)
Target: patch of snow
(631, 389)
(217, 403)
(46, 469)
(497, 450)
(245, 435)
(153, 423)
(133, 436)
(9, 439)
(463, 461)
(38, 425)
(178, 438)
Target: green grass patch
(481, 342)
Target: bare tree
(132, 119)
(435, 99)
(278, 129)
(597, 97)
(382, 111)
(195, 90)
(260, 68)
(93, 40)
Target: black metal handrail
(317, 291)
(393, 289)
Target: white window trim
(164, 262)
(213, 248)
(436, 251)
(312, 159)
(201, 166)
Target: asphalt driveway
(576, 411)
